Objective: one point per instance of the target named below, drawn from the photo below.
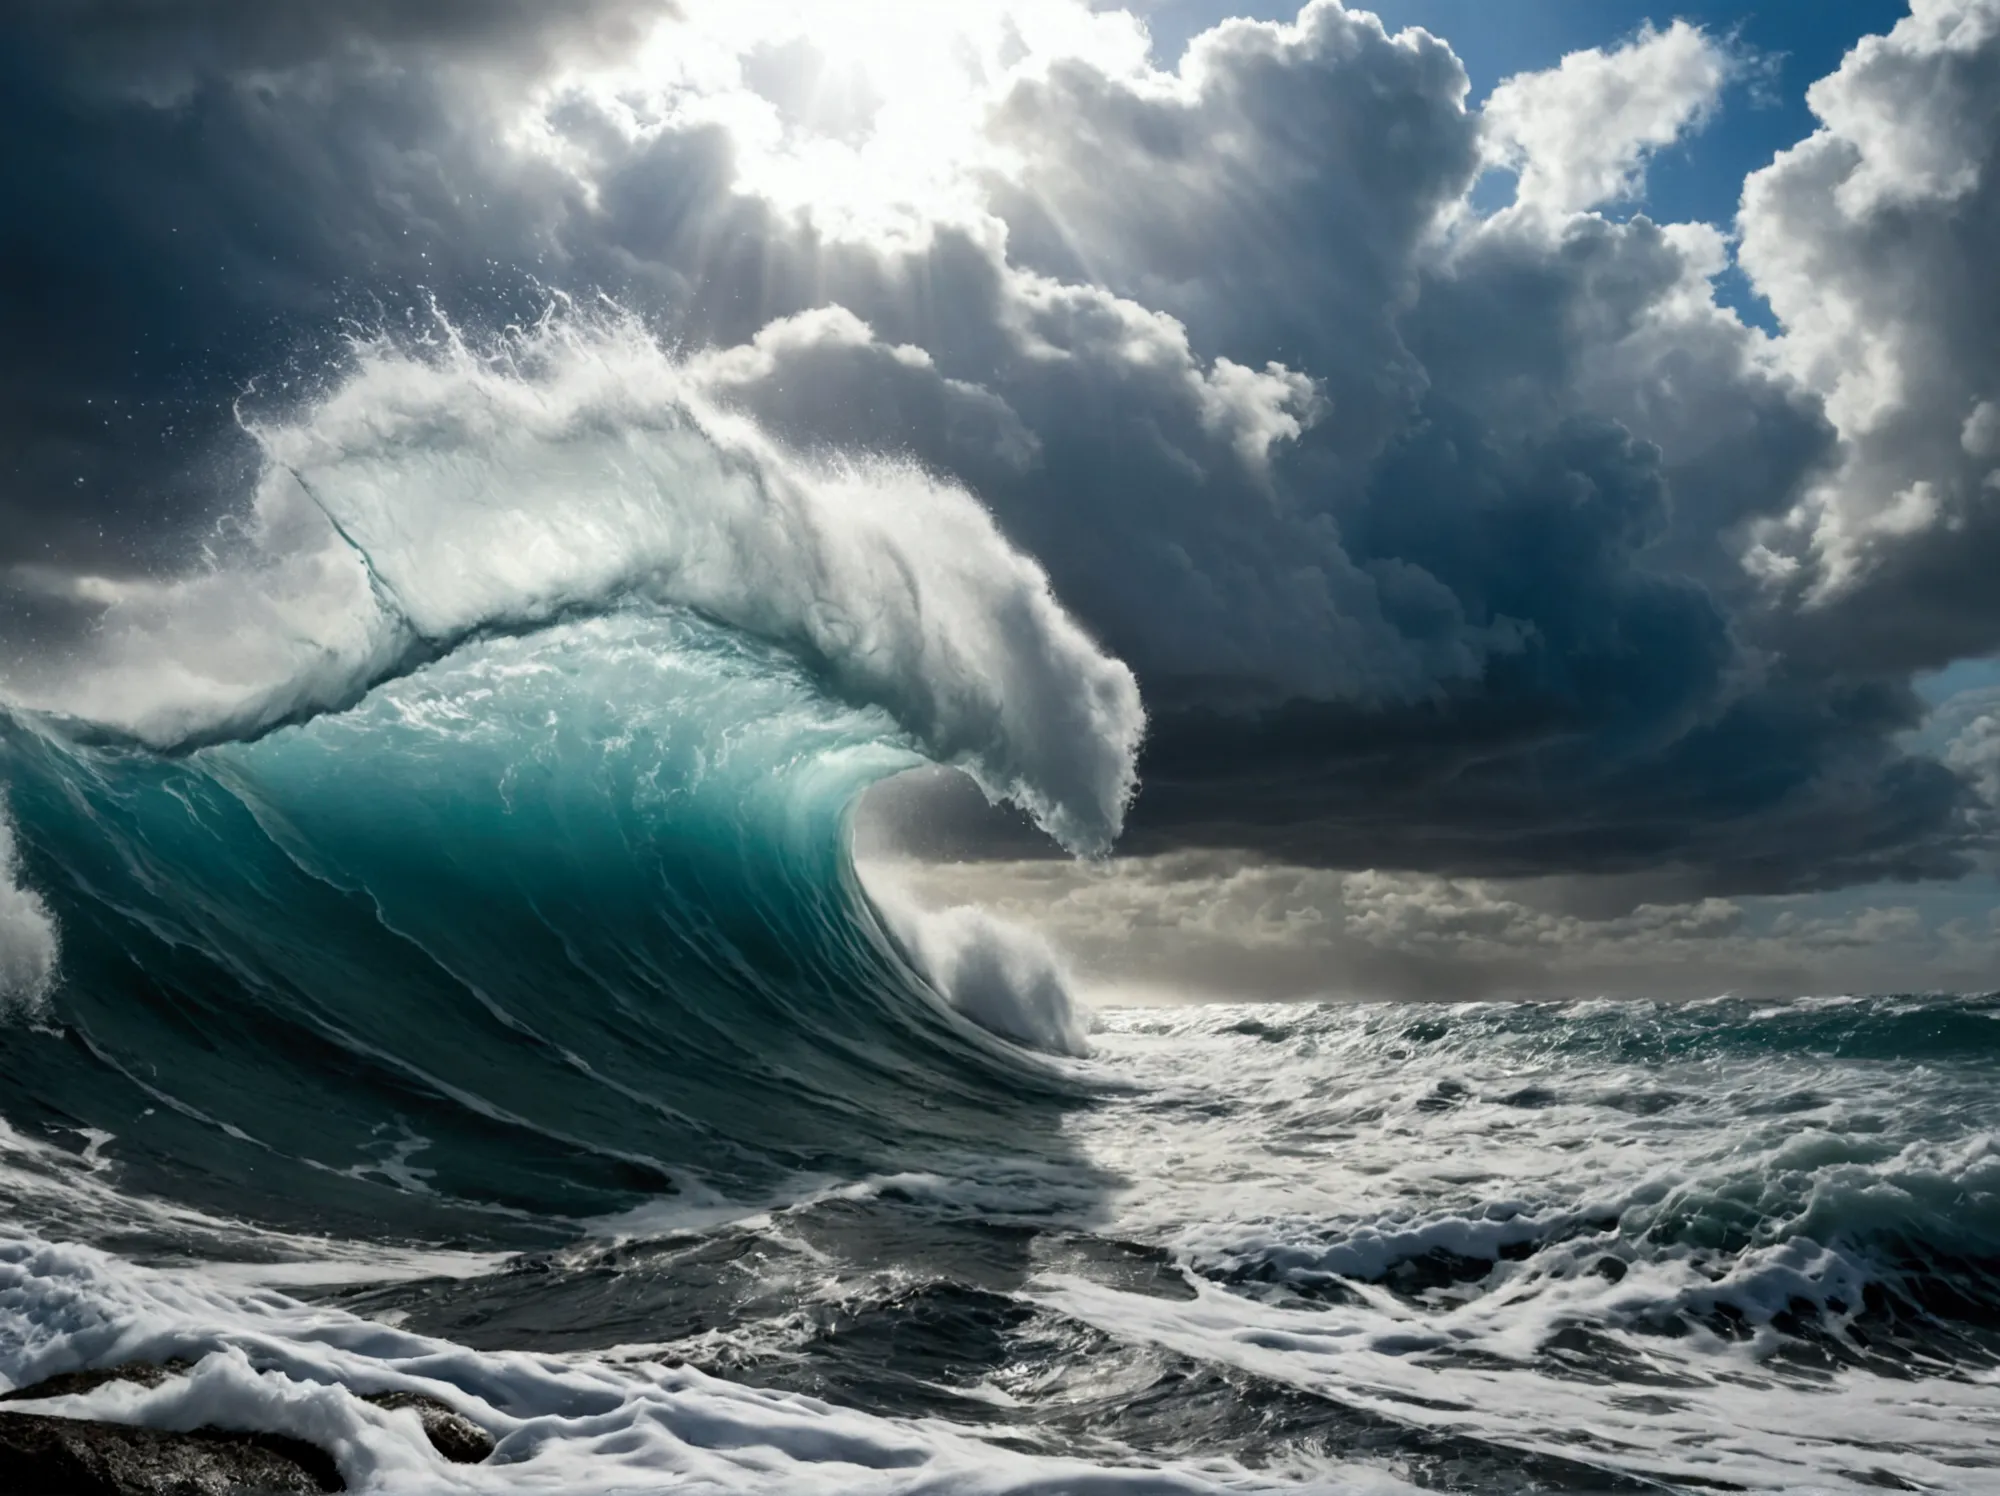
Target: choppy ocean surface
(1372, 1248)
(434, 960)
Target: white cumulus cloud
(1580, 133)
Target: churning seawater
(1486, 1248)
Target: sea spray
(29, 946)
(1002, 976)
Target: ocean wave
(558, 922)
(442, 491)
(466, 845)
(1003, 977)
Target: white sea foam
(29, 947)
(1002, 976)
(1313, 1149)
(442, 490)
(1731, 1425)
(578, 1425)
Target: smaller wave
(29, 944)
(1004, 978)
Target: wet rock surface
(76, 1383)
(49, 1456)
(451, 1433)
(43, 1456)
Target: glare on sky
(866, 114)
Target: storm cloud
(1463, 541)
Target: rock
(42, 1456)
(451, 1433)
(76, 1383)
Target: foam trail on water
(568, 1425)
(444, 491)
(29, 947)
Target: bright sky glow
(866, 114)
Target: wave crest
(443, 491)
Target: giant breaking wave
(467, 843)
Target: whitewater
(433, 959)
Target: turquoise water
(576, 909)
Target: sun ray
(867, 114)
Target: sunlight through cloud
(867, 116)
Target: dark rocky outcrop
(451, 1433)
(76, 1383)
(41, 1456)
(44, 1456)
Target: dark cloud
(1788, 789)
(162, 47)
(1425, 531)
(1274, 203)
(164, 254)
(1525, 326)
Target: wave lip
(443, 492)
